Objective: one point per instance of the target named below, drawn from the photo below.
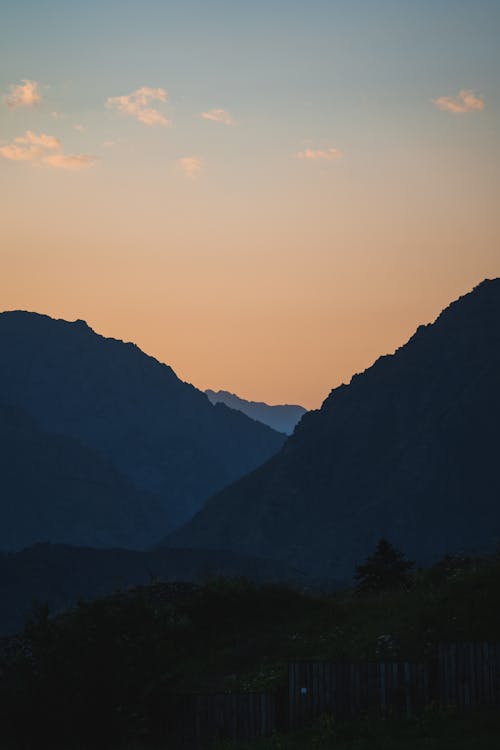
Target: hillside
(281, 417)
(408, 451)
(161, 433)
(59, 576)
(54, 488)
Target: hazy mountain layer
(408, 450)
(162, 433)
(282, 417)
(54, 488)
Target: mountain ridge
(54, 487)
(281, 417)
(161, 433)
(389, 454)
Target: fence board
(468, 675)
(355, 689)
(232, 716)
(463, 675)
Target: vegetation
(433, 731)
(386, 569)
(116, 668)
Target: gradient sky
(294, 189)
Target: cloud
(43, 140)
(25, 94)
(218, 115)
(44, 149)
(464, 101)
(80, 128)
(19, 153)
(191, 165)
(74, 162)
(137, 104)
(32, 146)
(327, 154)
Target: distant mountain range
(408, 451)
(104, 445)
(282, 417)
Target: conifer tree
(386, 569)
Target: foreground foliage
(115, 669)
(434, 731)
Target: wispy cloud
(218, 115)
(464, 101)
(32, 147)
(190, 165)
(24, 94)
(19, 153)
(43, 140)
(137, 104)
(44, 149)
(74, 162)
(327, 154)
(80, 128)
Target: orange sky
(269, 301)
(267, 223)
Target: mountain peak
(162, 435)
(407, 451)
(282, 417)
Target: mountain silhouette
(161, 434)
(407, 451)
(282, 417)
(55, 488)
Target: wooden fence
(465, 676)
(469, 675)
(240, 717)
(347, 690)
(462, 675)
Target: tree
(386, 569)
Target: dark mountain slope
(282, 417)
(408, 450)
(59, 575)
(162, 433)
(54, 488)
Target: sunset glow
(266, 196)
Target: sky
(265, 195)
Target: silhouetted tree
(386, 569)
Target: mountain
(161, 434)
(282, 417)
(59, 575)
(53, 487)
(407, 451)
